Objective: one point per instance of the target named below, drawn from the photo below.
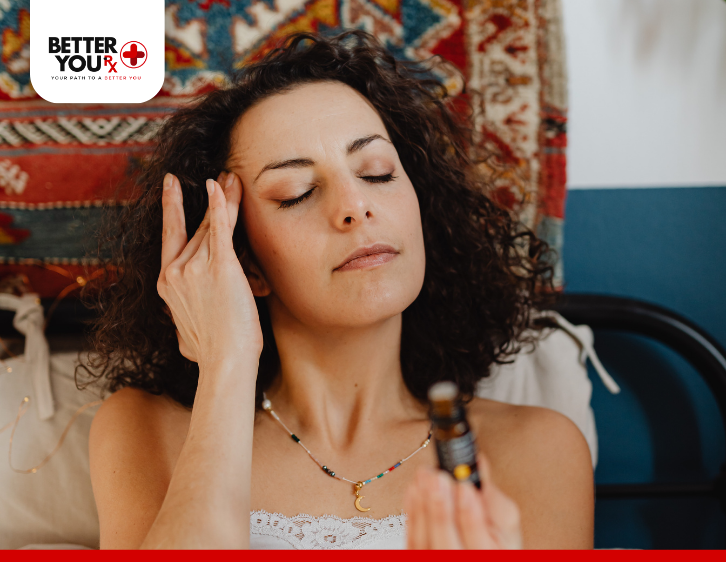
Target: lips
(368, 251)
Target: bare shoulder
(534, 428)
(132, 414)
(134, 442)
(540, 459)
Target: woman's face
(321, 180)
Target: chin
(358, 302)
(371, 306)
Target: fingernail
(443, 481)
(228, 181)
(167, 181)
(210, 187)
(467, 493)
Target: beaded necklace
(357, 485)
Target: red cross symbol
(135, 52)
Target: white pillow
(55, 505)
(553, 375)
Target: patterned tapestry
(59, 163)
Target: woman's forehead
(319, 116)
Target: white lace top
(276, 531)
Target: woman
(349, 257)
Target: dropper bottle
(454, 439)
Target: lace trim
(305, 531)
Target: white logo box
(83, 34)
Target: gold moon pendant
(358, 486)
(357, 504)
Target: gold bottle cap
(462, 472)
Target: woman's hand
(202, 281)
(445, 514)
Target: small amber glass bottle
(454, 439)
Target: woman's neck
(339, 384)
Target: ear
(255, 277)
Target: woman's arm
(206, 502)
(151, 490)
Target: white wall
(647, 92)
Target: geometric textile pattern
(59, 162)
(516, 60)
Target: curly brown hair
(485, 273)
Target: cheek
(409, 218)
(414, 241)
(259, 235)
(281, 249)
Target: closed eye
(379, 179)
(370, 179)
(293, 202)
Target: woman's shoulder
(130, 405)
(539, 458)
(143, 423)
(521, 432)
(508, 420)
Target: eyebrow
(353, 146)
(359, 144)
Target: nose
(351, 203)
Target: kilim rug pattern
(58, 163)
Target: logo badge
(76, 47)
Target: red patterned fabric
(58, 163)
